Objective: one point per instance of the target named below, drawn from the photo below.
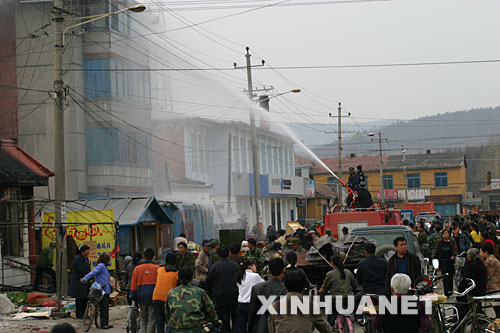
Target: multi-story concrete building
(206, 154)
(436, 177)
(107, 108)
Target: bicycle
(459, 265)
(473, 321)
(133, 325)
(344, 324)
(441, 320)
(92, 309)
(368, 314)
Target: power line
(227, 5)
(459, 62)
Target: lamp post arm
(280, 94)
(94, 18)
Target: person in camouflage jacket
(184, 258)
(214, 257)
(189, 308)
(434, 238)
(255, 254)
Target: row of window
(277, 160)
(110, 145)
(109, 79)
(200, 157)
(413, 180)
(119, 23)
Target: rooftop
(369, 163)
(395, 162)
(302, 160)
(427, 161)
(324, 191)
(489, 188)
(17, 167)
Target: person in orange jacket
(166, 279)
(141, 290)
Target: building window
(332, 183)
(244, 152)
(110, 145)
(413, 180)
(269, 157)
(275, 161)
(282, 161)
(11, 237)
(298, 172)
(262, 162)
(236, 154)
(119, 23)
(494, 202)
(117, 83)
(388, 182)
(441, 179)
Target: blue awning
(127, 211)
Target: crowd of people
(446, 241)
(221, 289)
(222, 286)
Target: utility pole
(253, 137)
(339, 151)
(229, 166)
(339, 148)
(381, 166)
(403, 159)
(59, 159)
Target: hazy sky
(382, 32)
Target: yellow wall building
(434, 177)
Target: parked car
(427, 217)
(383, 238)
(353, 248)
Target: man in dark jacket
(476, 270)
(353, 181)
(403, 262)
(360, 173)
(272, 287)
(221, 279)
(235, 253)
(364, 199)
(80, 268)
(460, 237)
(371, 272)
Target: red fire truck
(355, 219)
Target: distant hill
(449, 130)
(314, 134)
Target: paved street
(117, 316)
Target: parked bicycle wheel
(475, 325)
(89, 315)
(347, 325)
(132, 320)
(435, 324)
(368, 328)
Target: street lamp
(295, 91)
(91, 18)
(59, 159)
